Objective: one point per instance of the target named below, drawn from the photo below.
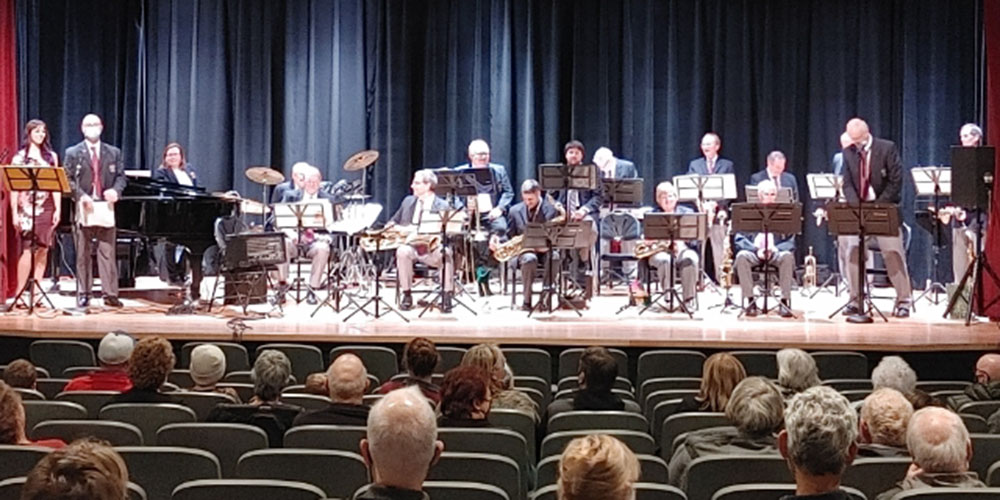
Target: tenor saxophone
(727, 268)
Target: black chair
(572, 383)
(569, 362)
(942, 385)
(463, 490)
(181, 378)
(623, 227)
(93, 401)
(308, 401)
(653, 491)
(638, 442)
(326, 437)
(762, 363)
(379, 361)
(338, 473)
(451, 357)
(18, 460)
(982, 408)
(678, 424)
(75, 371)
(849, 384)
(537, 384)
(247, 489)
(841, 364)
(228, 442)
(661, 412)
(654, 398)
(669, 363)
(116, 433)
(950, 494)
(10, 489)
(202, 403)
(770, 491)
(29, 394)
(238, 377)
(57, 355)
(985, 452)
(50, 387)
(518, 421)
(305, 359)
(237, 358)
(485, 468)
(652, 385)
(707, 475)
(529, 362)
(503, 442)
(36, 412)
(160, 469)
(148, 417)
(874, 475)
(243, 390)
(975, 423)
(597, 420)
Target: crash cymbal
(361, 160)
(265, 175)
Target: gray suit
(318, 251)
(518, 219)
(716, 233)
(686, 262)
(112, 176)
(784, 259)
(406, 255)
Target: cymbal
(265, 175)
(361, 160)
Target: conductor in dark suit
(710, 163)
(97, 175)
(873, 172)
(532, 209)
(775, 172)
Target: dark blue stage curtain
(248, 82)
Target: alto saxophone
(727, 268)
(645, 248)
(514, 247)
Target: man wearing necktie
(776, 249)
(97, 174)
(710, 163)
(317, 250)
(873, 172)
(775, 172)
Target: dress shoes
(112, 301)
(83, 301)
(785, 309)
(406, 301)
(752, 310)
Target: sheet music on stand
(556, 176)
(705, 187)
(825, 186)
(927, 181)
(622, 193)
(571, 235)
(785, 195)
(430, 224)
(315, 214)
(675, 226)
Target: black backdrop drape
(251, 82)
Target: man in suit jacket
(97, 175)
(778, 249)
(411, 211)
(316, 249)
(685, 255)
(533, 208)
(710, 163)
(296, 181)
(873, 171)
(775, 171)
(503, 193)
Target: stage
(145, 313)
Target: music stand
(451, 183)
(862, 219)
(825, 188)
(20, 178)
(767, 218)
(560, 177)
(934, 182)
(785, 195)
(672, 227)
(972, 171)
(376, 299)
(300, 216)
(701, 188)
(622, 193)
(565, 236)
(485, 191)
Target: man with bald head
(346, 383)
(873, 172)
(987, 386)
(401, 446)
(941, 449)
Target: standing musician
(778, 249)
(775, 171)
(97, 174)
(710, 163)
(532, 209)
(479, 157)
(582, 205)
(411, 211)
(316, 249)
(874, 172)
(685, 253)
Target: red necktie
(863, 169)
(95, 168)
(711, 166)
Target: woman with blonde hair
(720, 375)
(490, 359)
(597, 467)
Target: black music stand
(562, 178)
(702, 188)
(566, 236)
(306, 215)
(862, 219)
(376, 299)
(672, 227)
(253, 254)
(485, 184)
(934, 182)
(767, 218)
(824, 188)
(451, 183)
(19, 178)
(972, 174)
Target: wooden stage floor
(145, 313)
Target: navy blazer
(722, 166)
(164, 174)
(279, 191)
(593, 199)
(77, 162)
(787, 180)
(886, 172)
(504, 192)
(517, 217)
(404, 215)
(784, 242)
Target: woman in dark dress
(36, 150)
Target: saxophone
(645, 248)
(397, 236)
(727, 267)
(514, 247)
(809, 276)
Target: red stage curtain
(991, 20)
(8, 140)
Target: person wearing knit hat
(113, 354)
(208, 366)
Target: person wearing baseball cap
(208, 366)
(112, 354)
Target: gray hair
(938, 440)
(426, 174)
(821, 427)
(972, 129)
(530, 186)
(666, 187)
(774, 156)
(766, 185)
(402, 432)
(895, 373)
(272, 372)
(886, 413)
(797, 370)
(756, 407)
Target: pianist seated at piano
(684, 255)
(775, 249)
(172, 259)
(314, 246)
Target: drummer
(296, 182)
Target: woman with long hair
(721, 374)
(35, 217)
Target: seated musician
(775, 171)
(685, 254)
(533, 208)
(778, 250)
(479, 157)
(173, 169)
(316, 249)
(298, 178)
(411, 211)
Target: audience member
(85, 469)
(797, 371)
(922, 399)
(272, 372)
(420, 357)
(208, 366)
(895, 373)
(597, 467)
(757, 411)
(491, 359)
(21, 374)
(113, 355)
(12, 421)
(347, 381)
(941, 450)
(151, 362)
(315, 384)
(818, 442)
(987, 385)
(465, 398)
(719, 376)
(597, 373)
(884, 417)
(401, 446)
